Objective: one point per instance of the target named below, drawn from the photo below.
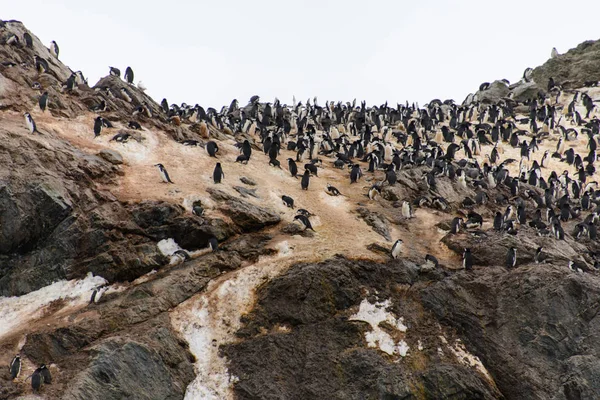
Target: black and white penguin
(406, 210)
(432, 260)
(43, 101)
(46, 374)
(374, 191)
(306, 213)
(287, 201)
(355, 173)
(212, 149)
(115, 71)
(163, 173)
(511, 257)
(213, 243)
(312, 168)
(126, 96)
(54, 49)
(293, 167)
(397, 248)
(242, 159)
(129, 75)
(539, 257)
(98, 126)
(390, 177)
(247, 149)
(218, 174)
(332, 190)
(30, 123)
(455, 225)
(305, 180)
(467, 260)
(304, 221)
(15, 367)
(37, 379)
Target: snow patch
(168, 246)
(464, 357)
(283, 248)
(21, 310)
(375, 314)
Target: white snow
(22, 310)
(466, 358)
(375, 314)
(168, 246)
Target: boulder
(247, 216)
(493, 94)
(112, 156)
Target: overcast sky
(209, 52)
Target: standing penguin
(30, 123)
(46, 374)
(97, 126)
(43, 101)
(305, 180)
(212, 149)
(37, 379)
(293, 167)
(511, 257)
(455, 225)
(15, 367)
(54, 49)
(163, 173)
(467, 260)
(213, 244)
(218, 174)
(246, 149)
(397, 248)
(115, 71)
(355, 173)
(129, 75)
(406, 210)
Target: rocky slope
(278, 312)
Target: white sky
(209, 52)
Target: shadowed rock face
(299, 343)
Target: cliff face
(278, 312)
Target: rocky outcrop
(493, 94)
(573, 68)
(247, 216)
(300, 342)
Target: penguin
(304, 221)
(134, 125)
(539, 256)
(390, 177)
(293, 168)
(37, 379)
(163, 173)
(129, 75)
(43, 101)
(355, 173)
(54, 49)
(213, 243)
(247, 149)
(432, 260)
(306, 213)
(242, 159)
(218, 174)
(97, 126)
(288, 201)
(30, 123)
(511, 257)
(397, 248)
(125, 94)
(197, 208)
(305, 180)
(374, 191)
(115, 71)
(467, 260)
(312, 168)
(212, 148)
(28, 40)
(332, 190)
(455, 225)
(15, 367)
(94, 295)
(406, 210)
(46, 374)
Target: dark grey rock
(112, 156)
(247, 216)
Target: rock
(376, 221)
(297, 229)
(246, 192)
(496, 91)
(248, 181)
(525, 91)
(306, 312)
(573, 68)
(247, 216)
(112, 156)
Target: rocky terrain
(280, 311)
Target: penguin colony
(440, 139)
